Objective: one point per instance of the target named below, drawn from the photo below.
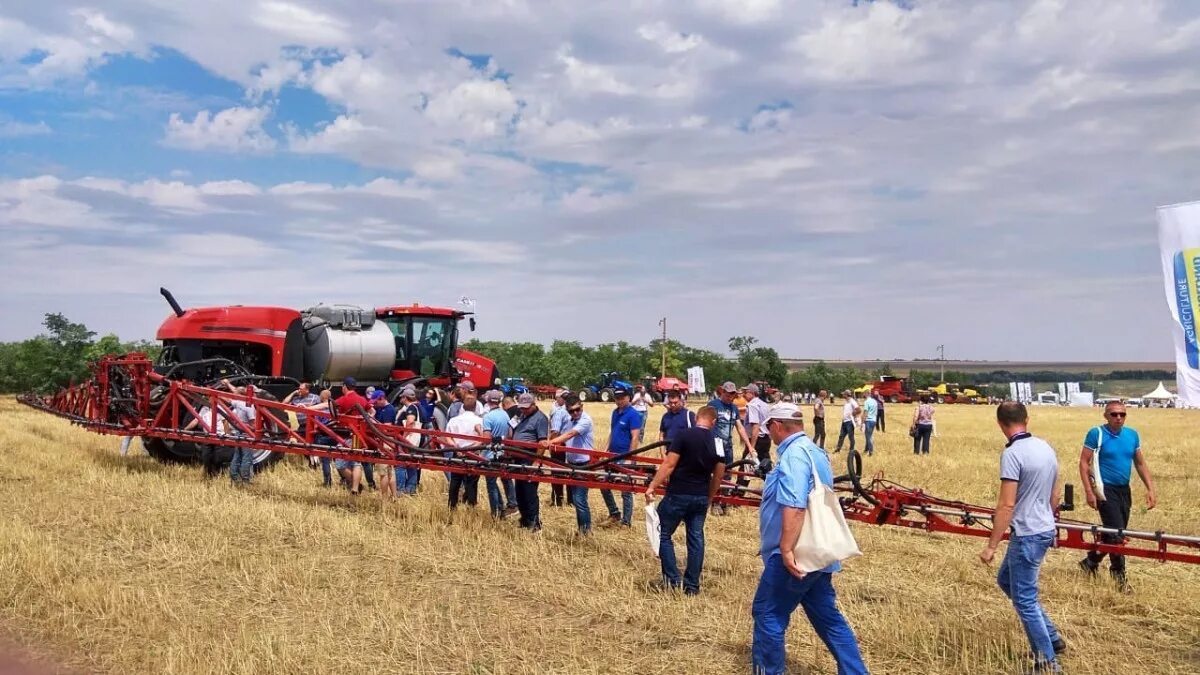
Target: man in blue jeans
(1028, 496)
(577, 434)
(695, 473)
(496, 424)
(870, 416)
(626, 430)
(783, 585)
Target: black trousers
(527, 502)
(468, 485)
(556, 490)
(921, 440)
(1114, 513)
(879, 421)
(819, 432)
(847, 431)
(762, 450)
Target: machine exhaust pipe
(171, 301)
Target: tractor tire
(607, 395)
(171, 452)
(893, 399)
(585, 395)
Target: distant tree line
(59, 356)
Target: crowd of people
(698, 457)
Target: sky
(839, 179)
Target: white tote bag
(1097, 483)
(652, 526)
(825, 538)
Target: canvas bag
(825, 538)
(653, 526)
(1097, 483)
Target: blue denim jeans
(1018, 578)
(847, 431)
(626, 511)
(869, 433)
(495, 501)
(407, 480)
(583, 513)
(778, 595)
(241, 467)
(691, 511)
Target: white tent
(1160, 394)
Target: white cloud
(591, 78)
(671, 41)
(15, 129)
(230, 130)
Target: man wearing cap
(695, 474)
(532, 427)
(559, 420)
(577, 435)
(756, 417)
(850, 414)
(496, 425)
(623, 437)
(408, 479)
(384, 413)
(783, 586)
(728, 419)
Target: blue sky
(840, 179)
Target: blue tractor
(513, 386)
(604, 389)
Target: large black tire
(171, 452)
(585, 394)
(606, 395)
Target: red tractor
(891, 389)
(275, 348)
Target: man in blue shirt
(728, 419)
(559, 420)
(783, 585)
(676, 418)
(496, 424)
(625, 432)
(1120, 451)
(577, 434)
(871, 417)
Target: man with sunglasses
(1117, 449)
(576, 434)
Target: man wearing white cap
(783, 586)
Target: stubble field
(123, 565)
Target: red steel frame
(153, 406)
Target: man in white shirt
(465, 423)
(641, 402)
(850, 414)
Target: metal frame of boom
(127, 398)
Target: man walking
(783, 586)
(695, 473)
(850, 414)
(532, 427)
(818, 437)
(870, 417)
(625, 432)
(1028, 493)
(728, 420)
(1118, 450)
(577, 435)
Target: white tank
(345, 342)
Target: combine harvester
(130, 396)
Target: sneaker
(1087, 567)
(510, 511)
(612, 520)
(1044, 667)
(1059, 646)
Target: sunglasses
(575, 410)
(1116, 414)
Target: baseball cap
(620, 393)
(350, 382)
(785, 411)
(467, 385)
(526, 400)
(752, 388)
(562, 392)
(729, 387)
(378, 394)
(409, 392)
(493, 396)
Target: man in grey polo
(1028, 495)
(532, 426)
(757, 411)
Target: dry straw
(123, 565)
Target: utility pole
(663, 322)
(942, 358)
